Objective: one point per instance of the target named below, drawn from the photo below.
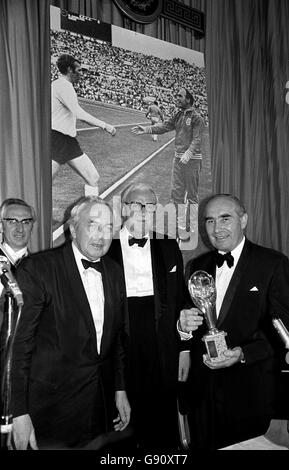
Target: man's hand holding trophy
(202, 290)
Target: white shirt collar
(79, 256)
(125, 233)
(12, 254)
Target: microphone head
(4, 264)
(8, 280)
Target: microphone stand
(12, 324)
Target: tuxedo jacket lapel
(76, 290)
(234, 283)
(210, 267)
(115, 252)
(159, 279)
(108, 290)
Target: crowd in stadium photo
(122, 77)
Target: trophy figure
(202, 289)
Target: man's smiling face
(225, 223)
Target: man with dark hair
(153, 271)
(68, 366)
(16, 224)
(65, 112)
(187, 162)
(233, 400)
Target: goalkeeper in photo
(65, 111)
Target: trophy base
(216, 345)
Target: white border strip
(92, 128)
(58, 232)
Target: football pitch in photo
(122, 159)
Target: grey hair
(15, 202)
(136, 187)
(83, 203)
(240, 208)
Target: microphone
(9, 282)
(283, 333)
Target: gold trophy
(202, 289)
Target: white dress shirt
(137, 265)
(224, 275)
(92, 283)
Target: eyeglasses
(138, 206)
(14, 222)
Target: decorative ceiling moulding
(141, 11)
(185, 15)
(147, 11)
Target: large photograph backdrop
(123, 72)
(247, 50)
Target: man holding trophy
(238, 288)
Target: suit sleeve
(34, 300)
(121, 344)
(277, 306)
(279, 291)
(183, 297)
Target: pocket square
(254, 289)
(173, 270)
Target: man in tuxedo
(153, 271)
(16, 224)
(69, 355)
(232, 400)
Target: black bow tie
(139, 241)
(226, 257)
(90, 264)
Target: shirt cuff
(184, 336)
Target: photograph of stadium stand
(122, 74)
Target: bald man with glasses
(16, 224)
(153, 271)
